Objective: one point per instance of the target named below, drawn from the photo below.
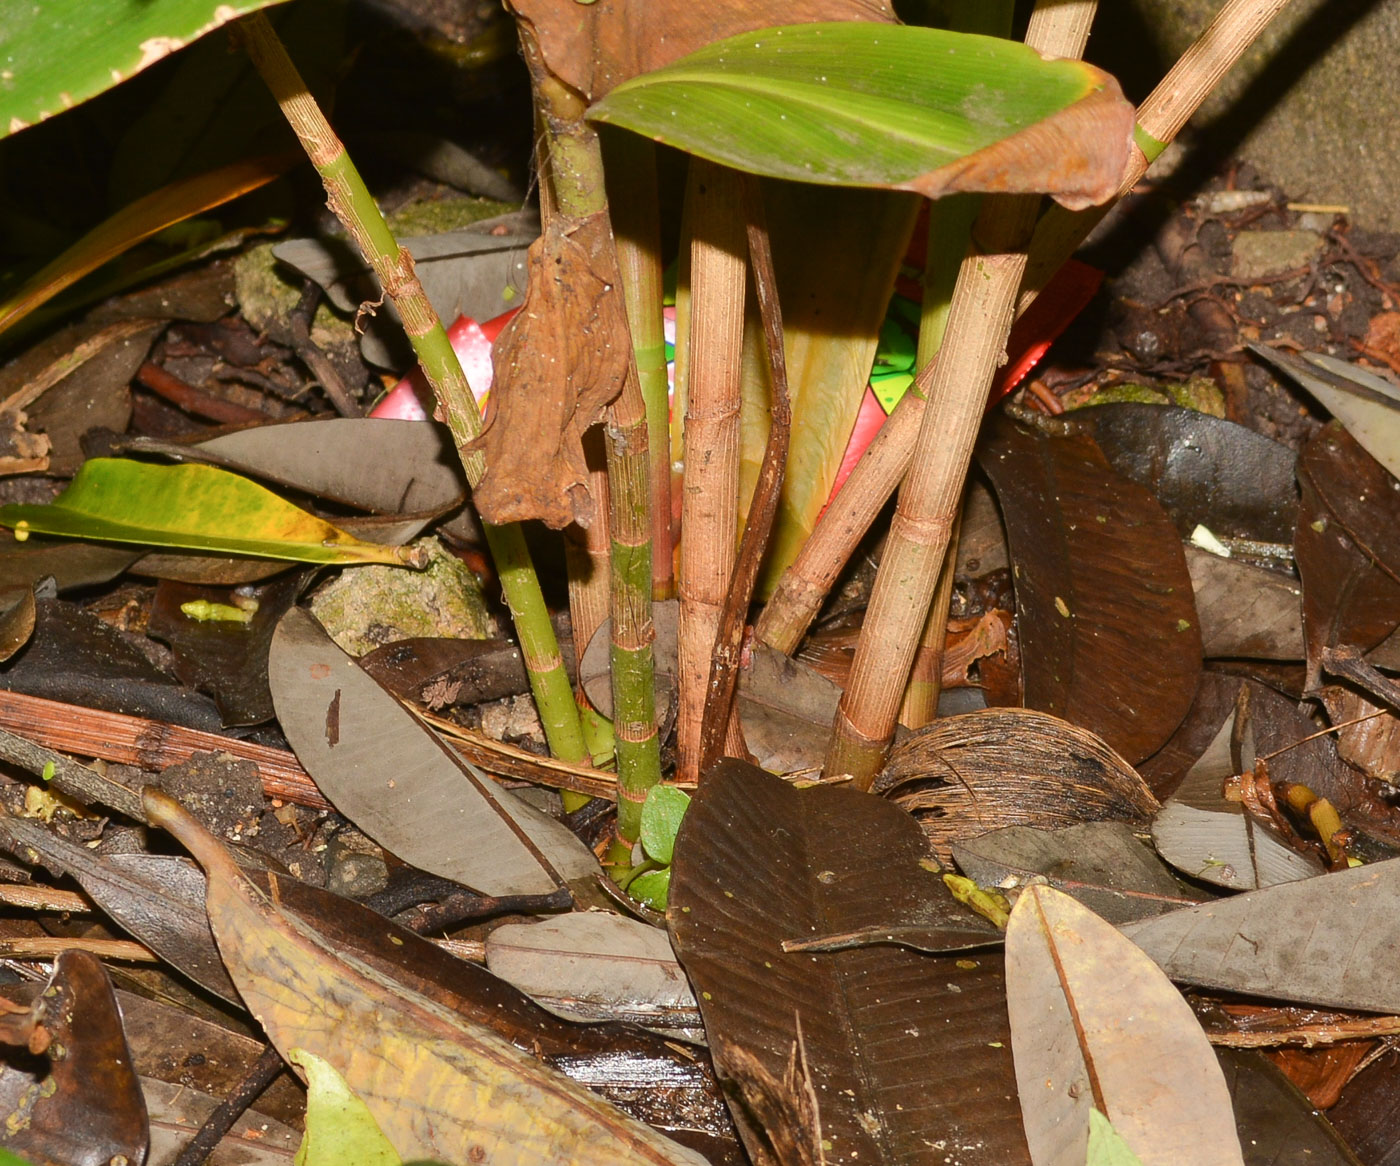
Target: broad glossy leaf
(1110, 639)
(400, 783)
(439, 1086)
(967, 774)
(1329, 940)
(63, 52)
(862, 104)
(196, 507)
(904, 1050)
(1094, 1023)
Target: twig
(259, 1076)
(330, 380)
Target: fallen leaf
(1203, 470)
(593, 965)
(198, 507)
(968, 774)
(427, 806)
(1102, 864)
(1357, 491)
(1328, 940)
(437, 1085)
(1277, 1124)
(1365, 403)
(1217, 841)
(1245, 611)
(1101, 588)
(339, 1126)
(80, 1103)
(1094, 1025)
(906, 1052)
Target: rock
(1261, 253)
(367, 607)
(1306, 104)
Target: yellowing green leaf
(439, 1085)
(339, 1126)
(857, 103)
(191, 506)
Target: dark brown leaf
(81, 1104)
(907, 1053)
(1277, 1125)
(976, 772)
(1245, 610)
(597, 46)
(573, 319)
(1358, 492)
(1104, 606)
(1202, 469)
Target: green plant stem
(350, 200)
(637, 229)
(983, 307)
(577, 184)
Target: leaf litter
(836, 916)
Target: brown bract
(557, 365)
(1077, 155)
(595, 47)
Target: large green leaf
(861, 104)
(192, 506)
(55, 54)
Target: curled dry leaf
(968, 774)
(573, 319)
(1096, 1025)
(439, 1087)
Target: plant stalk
(805, 585)
(350, 200)
(979, 320)
(714, 201)
(637, 228)
(577, 183)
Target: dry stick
(637, 227)
(729, 638)
(350, 200)
(711, 496)
(979, 319)
(805, 584)
(255, 1081)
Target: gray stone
(1260, 253)
(1309, 104)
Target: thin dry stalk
(719, 726)
(711, 495)
(979, 320)
(926, 678)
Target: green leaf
(661, 818)
(339, 1126)
(192, 506)
(1106, 1146)
(651, 889)
(862, 104)
(55, 54)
